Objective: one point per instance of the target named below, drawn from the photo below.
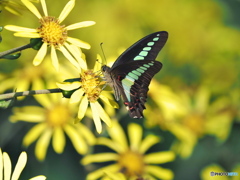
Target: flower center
(58, 116)
(52, 32)
(90, 85)
(132, 163)
(195, 123)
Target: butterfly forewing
(146, 48)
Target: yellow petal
(40, 55)
(202, 99)
(8, 84)
(68, 86)
(101, 172)
(101, 157)
(44, 7)
(96, 118)
(76, 96)
(22, 85)
(27, 34)
(58, 140)
(115, 176)
(159, 172)
(67, 9)
(109, 143)
(44, 100)
(21, 163)
(77, 50)
(78, 42)
(86, 133)
(117, 134)
(77, 54)
(135, 136)
(69, 57)
(54, 58)
(159, 157)
(19, 29)
(103, 115)
(7, 166)
(33, 134)
(40, 177)
(83, 107)
(32, 8)
(42, 144)
(98, 64)
(80, 25)
(108, 101)
(76, 139)
(187, 139)
(13, 11)
(38, 83)
(35, 114)
(148, 142)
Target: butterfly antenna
(104, 57)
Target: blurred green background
(202, 51)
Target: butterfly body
(132, 72)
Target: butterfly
(133, 70)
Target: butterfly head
(105, 68)
(106, 73)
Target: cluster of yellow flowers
(54, 35)
(125, 150)
(56, 117)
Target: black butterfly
(132, 72)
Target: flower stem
(2, 54)
(29, 93)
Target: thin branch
(2, 54)
(29, 93)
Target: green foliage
(12, 56)
(4, 104)
(36, 43)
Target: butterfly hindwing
(132, 83)
(146, 48)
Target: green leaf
(12, 56)
(4, 104)
(36, 43)
(72, 80)
(68, 94)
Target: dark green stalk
(2, 54)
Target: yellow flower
(53, 121)
(191, 117)
(53, 34)
(88, 91)
(131, 159)
(6, 167)
(29, 77)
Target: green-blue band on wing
(144, 52)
